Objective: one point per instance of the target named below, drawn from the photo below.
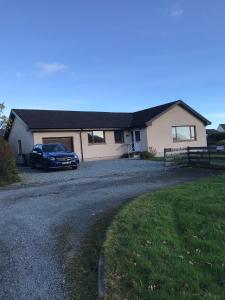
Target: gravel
(35, 212)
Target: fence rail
(195, 156)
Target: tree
(3, 118)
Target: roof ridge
(70, 111)
(168, 103)
(88, 111)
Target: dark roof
(211, 131)
(142, 116)
(223, 126)
(52, 119)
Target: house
(103, 135)
(221, 128)
(210, 131)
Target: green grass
(156, 158)
(81, 266)
(169, 245)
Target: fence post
(188, 155)
(164, 157)
(209, 155)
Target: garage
(67, 141)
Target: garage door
(67, 141)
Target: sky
(113, 55)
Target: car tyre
(74, 167)
(32, 165)
(45, 167)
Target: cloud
(177, 12)
(177, 9)
(50, 68)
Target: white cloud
(177, 9)
(177, 12)
(50, 68)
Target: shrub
(214, 138)
(221, 143)
(148, 154)
(8, 170)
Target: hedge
(8, 170)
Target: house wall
(19, 131)
(159, 132)
(90, 152)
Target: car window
(37, 150)
(54, 148)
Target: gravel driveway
(34, 212)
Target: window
(119, 136)
(20, 150)
(137, 136)
(96, 137)
(184, 133)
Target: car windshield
(54, 148)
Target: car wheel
(32, 165)
(45, 167)
(74, 167)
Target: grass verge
(169, 245)
(81, 266)
(156, 158)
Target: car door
(36, 156)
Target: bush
(148, 154)
(8, 170)
(221, 143)
(214, 138)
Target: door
(67, 141)
(137, 140)
(36, 157)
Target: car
(220, 148)
(53, 156)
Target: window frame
(92, 134)
(192, 137)
(122, 140)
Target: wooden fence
(211, 157)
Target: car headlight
(75, 156)
(51, 158)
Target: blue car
(53, 156)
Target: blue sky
(113, 55)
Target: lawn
(169, 245)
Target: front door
(137, 140)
